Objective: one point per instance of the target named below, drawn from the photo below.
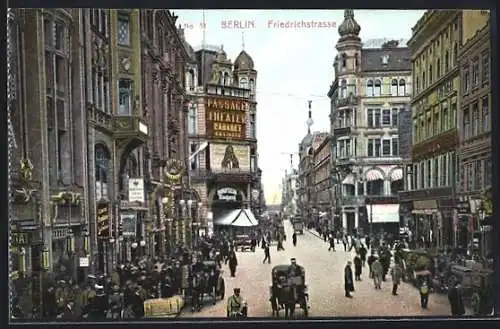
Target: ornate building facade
(89, 171)
(371, 87)
(222, 130)
(474, 123)
(434, 58)
(48, 210)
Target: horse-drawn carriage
(288, 291)
(207, 281)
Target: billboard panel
(226, 118)
(229, 158)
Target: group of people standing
(121, 293)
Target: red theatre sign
(226, 118)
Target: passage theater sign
(226, 118)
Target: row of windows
(99, 20)
(476, 120)
(477, 175)
(373, 188)
(383, 147)
(437, 54)
(435, 172)
(434, 123)
(375, 88)
(376, 118)
(376, 147)
(475, 73)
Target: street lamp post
(134, 250)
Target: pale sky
(294, 65)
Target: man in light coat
(396, 273)
(377, 271)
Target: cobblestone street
(324, 276)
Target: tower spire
(309, 119)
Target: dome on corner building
(349, 26)
(243, 61)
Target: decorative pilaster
(11, 95)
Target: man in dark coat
(267, 254)
(362, 254)
(367, 241)
(371, 259)
(357, 267)
(233, 262)
(456, 300)
(294, 239)
(331, 242)
(348, 280)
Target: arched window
(343, 89)
(455, 54)
(431, 75)
(221, 79)
(101, 171)
(394, 87)
(344, 60)
(130, 170)
(191, 83)
(252, 86)
(402, 87)
(423, 81)
(417, 88)
(378, 88)
(438, 68)
(369, 88)
(446, 61)
(243, 83)
(227, 79)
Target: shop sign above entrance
(227, 194)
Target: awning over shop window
(383, 213)
(349, 180)
(396, 174)
(237, 217)
(373, 175)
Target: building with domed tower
(372, 86)
(222, 136)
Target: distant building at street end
(430, 201)
(474, 124)
(371, 87)
(222, 131)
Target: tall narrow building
(431, 201)
(222, 123)
(49, 218)
(371, 87)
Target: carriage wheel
(222, 289)
(305, 307)
(475, 302)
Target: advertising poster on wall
(229, 158)
(225, 118)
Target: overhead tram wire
(313, 97)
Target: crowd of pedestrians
(382, 251)
(121, 294)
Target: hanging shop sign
(129, 225)
(174, 170)
(136, 190)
